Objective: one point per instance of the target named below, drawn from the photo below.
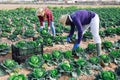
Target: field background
(57, 47)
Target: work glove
(41, 28)
(75, 46)
(68, 39)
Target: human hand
(48, 29)
(41, 28)
(68, 39)
(75, 46)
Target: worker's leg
(94, 24)
(52, 28)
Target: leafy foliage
(117, 44)
(21, 44)
(13, 37)
(79, 52)
(65, 67)
(44, 32)
(105, 58)
(107, 75)
(4, 34)
(94, 60)
(47, 56)
(56, 54)
(67, 54)
(71, 79)
(17, 77)
(115, 53)
(6, 29)
(110, 31)
(28, 47)
(117, 71)
(107, 46)
(91, 48)
(118, 30)
(2, 71)
(102, 34)
(39, 40)
(34, 61)
(87, 35)
(29, 33)
(80, 66)
(53, 73)
(38, 73)
(81, 62)
(9, 64)
(3, 46)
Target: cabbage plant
(105, 58)
(9, 65)
(47, 58)
(80, 52)
(4, 48)
(91, 48)
(94, 60)
(17, 77)
(37, 74)
(115, 56)
(80, 66)
(94, 63)
(2, 71)
(117, 44)
(68, 54)
(107, 46)
(72, 79)
(57, 56)
(53, 74)
(110, 31)
(118, 30)
(117, 71)
(106, 75)
(65, 68)
(34, 62)
(29, 33)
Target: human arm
(72, 30)
(41, 20)
(78, 24)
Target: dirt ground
(56, 47)
(14, 6)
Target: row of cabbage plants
(65, 63)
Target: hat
(40, 12)
(63, 19)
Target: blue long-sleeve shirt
(80, 18)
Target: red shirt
(47, 17)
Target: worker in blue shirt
(82, 20)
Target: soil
(14, 6)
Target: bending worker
(82, 20)
(45, 14)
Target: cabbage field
(40, 56)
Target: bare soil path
(14, 6)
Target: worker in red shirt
(45, 14)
